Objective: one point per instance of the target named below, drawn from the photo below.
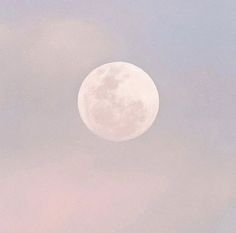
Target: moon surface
(118, 101)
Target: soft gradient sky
(57, 177)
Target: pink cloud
(47, 200)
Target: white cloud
(50, 52)
(42, 64)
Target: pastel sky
(57, 177)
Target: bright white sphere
(118, 101)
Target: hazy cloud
(42, 66)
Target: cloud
(78, 194)
(65, 195)
(42, 64)
(50, 52)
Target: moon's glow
(118, 101)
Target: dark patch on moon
(109, 84)
(115, 118)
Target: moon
(118, 101)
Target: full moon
(118, 101)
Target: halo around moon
(118, 101)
